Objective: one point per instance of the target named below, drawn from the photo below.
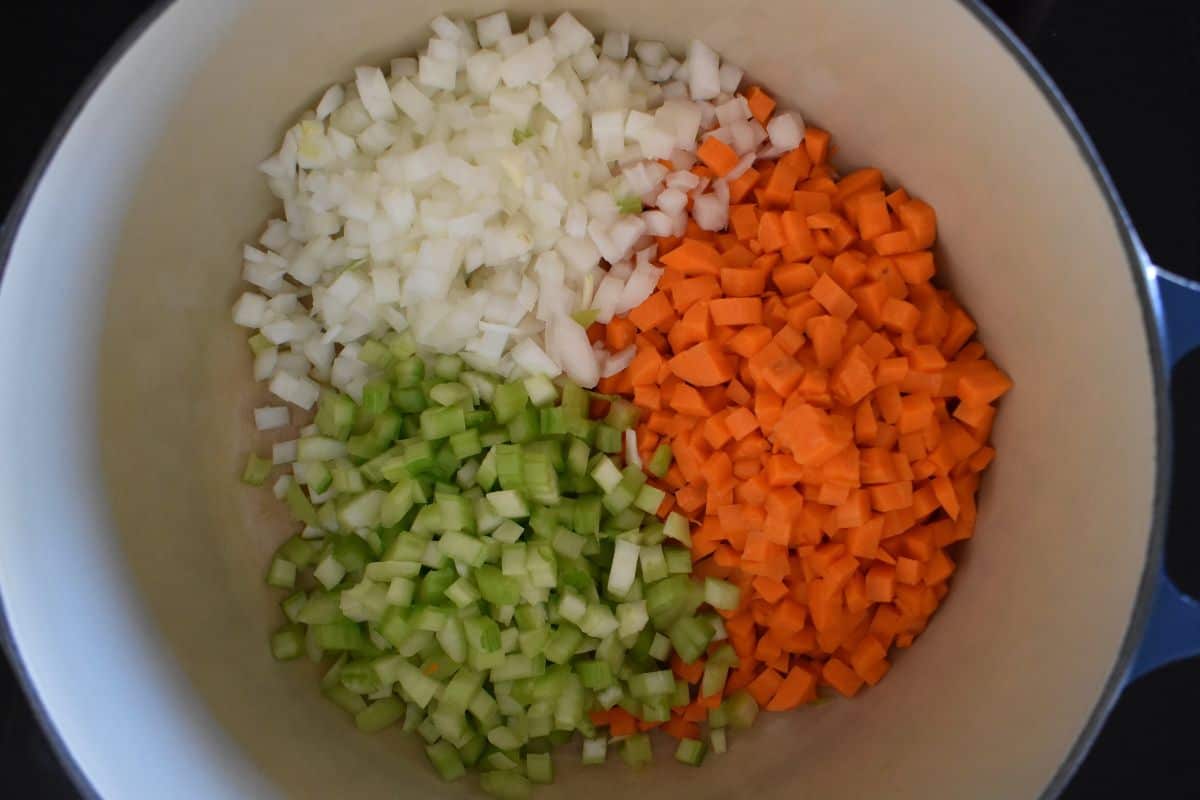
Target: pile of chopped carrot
(828, 410)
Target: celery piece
(376, 354)
(679, 560)
(595, 751)
(445, 760)
(336, 414)
(257, 470)
(609, 439)
(541, 391)
(505, 784)
(637, 751)
(447, 367)
(508, 400)
(345, 699)
(293, 605)
(563, 643)
(281, 574)
(622, 414)
(690, 752)
(690, 636)
(482, 634)
(338, 636)
(508, 504)
(659, 683)
(660, 647)
(376, 396)
(466, 444)
(660, 461)
(629, 204)
(741, 709)
(653, 563)
(410, 400)
(595, 675)
(676, 527)
(258, 343)
(649, 499)
(721, 594)
(287, 642)
(497, 588)
(439, 423)
(451, 394)
(510, 466)
(524, 426)
(586, 519)
(539, 767)
(418, 457)
(606, 474)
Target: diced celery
(595, 751)
(587, 515)
(338, 636)
(676, 527)
(741, 709)
(345, 699)
(257, 470)
(505, 784)
(524, 426)
(541, 391)
(379, 715)
(466, 444)
(721, 594)
(690, 636)
(660, 647)
(508, 504)
(439, 423)
(652, 684)
(637, 751)
(282, 574)
(567, 543)
(287, 642)
(649, 499)
(679, 560)
(563, 643)
(624, 567)
(375, 353)
(660, 461)
(539, 767)
(690, 752)
(445, 760)
(653, 563)
(609, 439)
(462, 547)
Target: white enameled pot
(131, 560)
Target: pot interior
(132, 559)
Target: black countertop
(1130, 70)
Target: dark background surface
(1130, 70)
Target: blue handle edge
(1173, 628)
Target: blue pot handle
(1173, 630)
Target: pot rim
(1134, 251)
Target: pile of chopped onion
(485, 192)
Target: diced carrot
(828, 412)
(797, 688)
(763, 688)
(736, 311)
(654, 311)
(761, 105)
(694, 257)
(718, 156)
(770, 231)
(841, 677)
(816, 142)
(744, 282)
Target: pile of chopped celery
(476, 563)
